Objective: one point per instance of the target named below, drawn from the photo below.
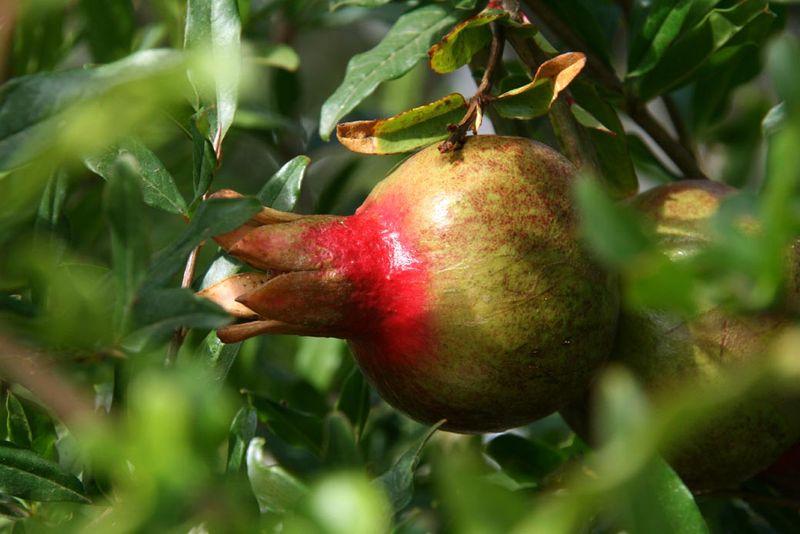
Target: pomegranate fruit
(459, 284)
(666, 353)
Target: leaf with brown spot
(410, 130)
(462, 42)
(534, 99)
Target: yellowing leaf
(410, 130)
(534, 99)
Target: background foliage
(122, 411)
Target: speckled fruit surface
(666, 353)
(459, 285)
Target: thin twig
(188, 276)
(481, 97)
(636, 110)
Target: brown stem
(188, 275)
(481, 97)
(679, 154)
(573, 139)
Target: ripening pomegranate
(667, 352)
(459, 285)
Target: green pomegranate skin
(459, 284)
(666, 353)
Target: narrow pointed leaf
(26, 475)
(158, 187)
(398, 481)
(283, 189)
(275, 489)
(402, 48)
(243, 430)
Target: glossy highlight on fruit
(666, 353)
(459, 284)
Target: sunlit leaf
(534, 99)
(402, 48)
(405, 132)
(283, 189)
(693, 48)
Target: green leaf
(405, 132)
(31, 107)
(354, 401)
(18, 429)
(159, 312)
(214, 26)
(283, 189)
(398, 481)
(243, 430)
(26, 475)
(277, 55)
(774, 120)
(524, 460)
(110, 26)
(214, 217)
(613, 152)
(339, 448)
(218, 356)
(694, 47)
(613, 231)
(660, 500)
(462, 42)
(591, 20)
(275, 489)
(402, 48)
(534, 99)
(40, 41)
(336, 4)
(204, 161)
(655, 25)
(158, 187)
(49, 214)
(293, 426)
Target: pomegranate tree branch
(482, 96)
(681, 155)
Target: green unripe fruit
(667, 353)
